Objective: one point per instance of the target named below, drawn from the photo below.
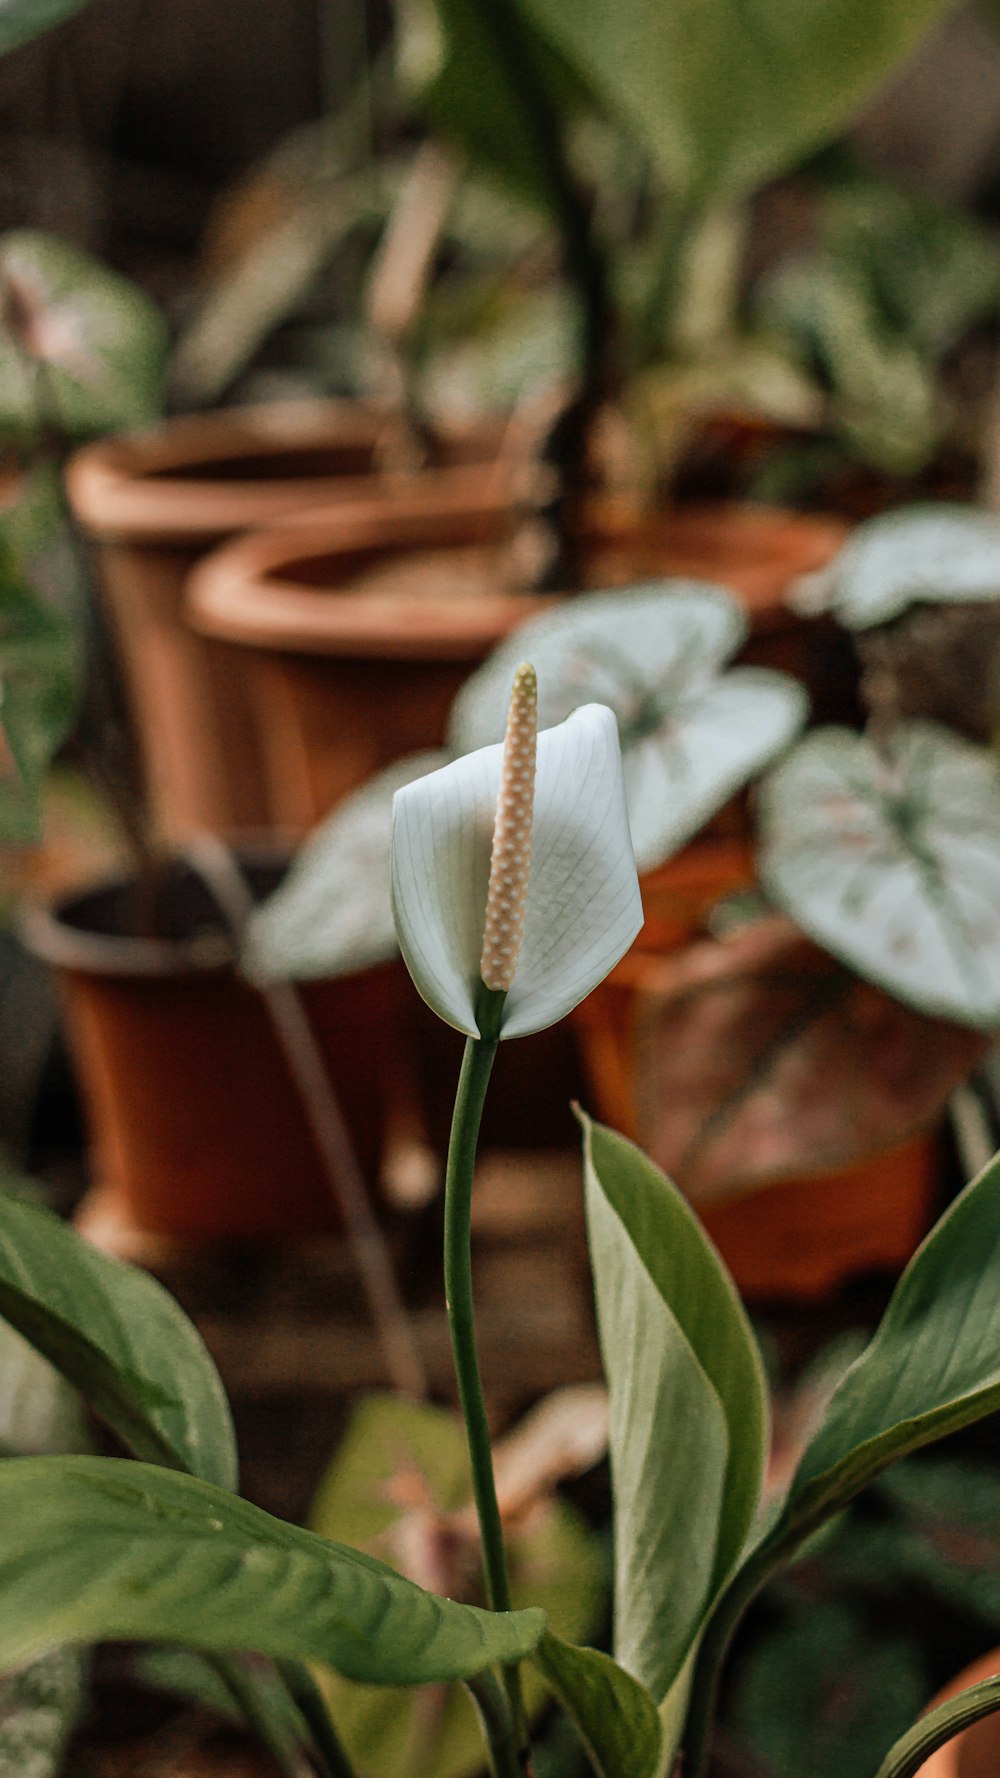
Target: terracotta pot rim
(237, 594)
(116, 489)
(59, 936)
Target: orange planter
(154, 502)
(792, 1103)
(355, 645)
(196, 1128)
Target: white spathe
(584, 907)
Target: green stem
(306, 1694)
(477, 1065)
(742, 1590)
(498, 1726)
(273, 1731)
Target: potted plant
(159, 1543)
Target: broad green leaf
(725, 94)
(688, 1407)
(689, 735)
(333, 912)
(906, 1758)
(584, 907)
(932, 1366)
(118, 1338)
(105, 1549)
(400, 1489)
(20, 20)
(96, 340)
(39, 1413)
(891, 860)
(926, 554)
(40, 1707)
(615, 1715)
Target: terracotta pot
(154, 502)
(975, 1753)
(792, 1103)
(356, 645)
(196, 1128)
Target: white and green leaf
(918, 554)
(690, 735)
(332, 914)
(584, 907)
(890, 859)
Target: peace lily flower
(562, 905)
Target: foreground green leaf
(120, 1339)
(104, 1549)
(907, 1756)
(615, 1715)
(932, 1366)
(400, 1488)
(688, 1413)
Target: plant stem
(273, 1732)
(497, 1723)
(743, 1588)
(309, 1699)
(477, 1065)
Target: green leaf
(725, 94)
(119, 1338)
(690, 734)
(907, 1756)
(83, 350)
(102, 1548)
(932, 1366)
(20, 20)
(41, 647)
(890, 858)
(918, 554)
(615, 1715)
(400, 1489)
(685, 1377)
(39, 1708)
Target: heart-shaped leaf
(99, 343)
(906, 1757)
(332, 914)
(117, 1337)
(689, 736)
(615, 1715)
(727, 93)
(40, 1707)
(891, 860)
(399, 1488)
(684, 1376)
(20, 20)
(101, 1548)
(931, 554)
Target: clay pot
(975, 1753)
(356, 645)
(794, 1104)
(196, 1129)
(154, 502)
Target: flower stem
(477, 1065)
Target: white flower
(583, 906)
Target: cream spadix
(582, 908)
